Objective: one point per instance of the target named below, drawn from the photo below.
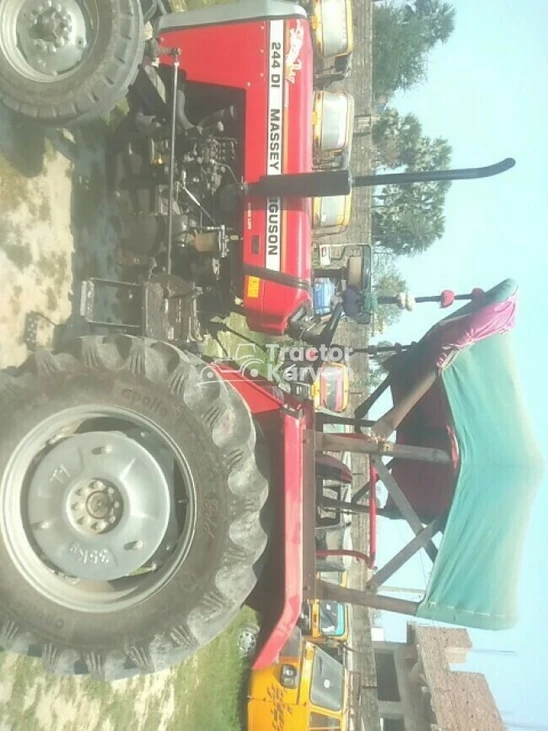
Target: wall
(462, 701)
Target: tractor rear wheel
(71, 61)
(133, 495)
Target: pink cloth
(450, 336)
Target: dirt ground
(56, 223)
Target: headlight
(289, 676)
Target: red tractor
(147, 494)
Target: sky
(487, 93)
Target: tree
(399, 142)
(402, 38)
(399, 59)
(375, 376)
(387, 280)
(438, 20)
(408, 219)
(394, 137)
(411, 224)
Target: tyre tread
(164, 364)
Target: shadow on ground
(22, 144)
(25, 150)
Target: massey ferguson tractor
(148, 493)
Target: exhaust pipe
(341, 182)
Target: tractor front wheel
(133, 491)
(71, 61)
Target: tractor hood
(278, 230)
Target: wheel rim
(47, 40)
(98, 508)
(247, 641)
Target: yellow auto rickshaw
(306, 690)
(331, 215)
(332, 129)
(331, 389)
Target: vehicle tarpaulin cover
(475, 578)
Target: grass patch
(241, 351)
(154, 714)
(17, 251)
(51, 300)
(248, 355)
(14, 187)
(44, 210)
(121, 713)
(54, 267)
(26, 676)
(50, 153)
(19, 254)
(212, 698)
(115, 116)
(209, 691)
(15, 300)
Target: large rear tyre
(71, 61)
(132, 493)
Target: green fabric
(475, 578)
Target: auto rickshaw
(332, 387)
(324, 621)
(333, 36)
(306, 690)
(331, 215)
(332, 129)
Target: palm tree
(438, 19)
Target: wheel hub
(247, 641)
(52, 36)
(96, 506)
(99, 505)
(52, 26)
